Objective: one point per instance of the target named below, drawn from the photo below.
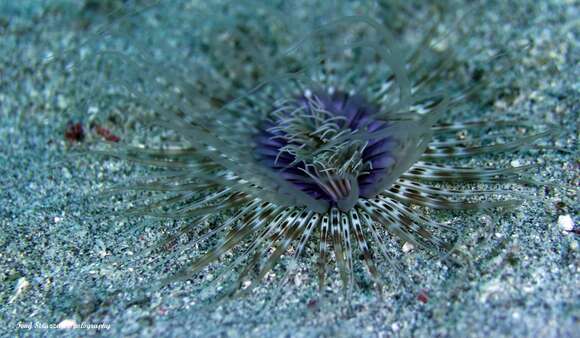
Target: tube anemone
(326, 138)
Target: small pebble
(565, 223)
(395, 327)
(423, 297)
(485, 219)
(408, 247)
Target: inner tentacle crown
(313, 143)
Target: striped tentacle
(220, 200)
(336, 240)
(426, 171)
(437, 201)
(418, 186)
(305, 235)
(446, 128)
(247, 211)
(260, 244)
(416, 217)
(323, 250)
(171, 158)
(397, 222)
(463, 150)
(291, 231)
(365, 249)
(250, 223)
(345, 235)
(369, 223)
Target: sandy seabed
(65, 265)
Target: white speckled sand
(64, 260)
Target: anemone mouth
(311, 142)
